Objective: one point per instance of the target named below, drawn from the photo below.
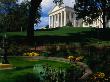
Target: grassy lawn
(65, 31)
(24, 67)
(65, 35)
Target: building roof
(57, 8)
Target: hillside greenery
(65, 35)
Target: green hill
(65, 35)
(64, 31)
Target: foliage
(15, 50)
(24, 70)
(76, 59)
(58, 2)
(90, 10)
(4, 1)
(47, 26)
(16, 15)
(97, 57)
(69, 23)
(99, 76)
(31, 54)
(49, 73)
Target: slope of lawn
(24, 67)
(66, 35)
(64, 31)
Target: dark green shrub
(16, 50)
(51, 50)
(73, 73)
(69, 23)
(98, 58)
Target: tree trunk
(32, 13)
(5, 59)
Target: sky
(47, 5)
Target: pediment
(55, 8)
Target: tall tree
(5, 59)
(14, 16)
(32, 19)
(7, 16)
(92, 9)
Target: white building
(59, 16)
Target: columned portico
(58, 16)
(57, 20)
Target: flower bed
(5, 66)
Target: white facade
(96, 23)
(59, 16)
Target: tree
(58, 2)
(16, 16)
(47, 26)
(8, 16)
(34, 6)
(5, 59)
(90, 10)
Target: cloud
(46, 6)
(69, 3)
(44, 22)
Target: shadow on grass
(23, 68)
(95, 34)
(51, 29)
(81, 37)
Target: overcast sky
(47, 5)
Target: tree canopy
(13, 16)
(92, 9)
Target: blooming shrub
(99, 77)
(31, 54)
(73, 58)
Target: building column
(58, 20)
(61, 20)
(54, 20)
(65, 20)
(49, 21)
